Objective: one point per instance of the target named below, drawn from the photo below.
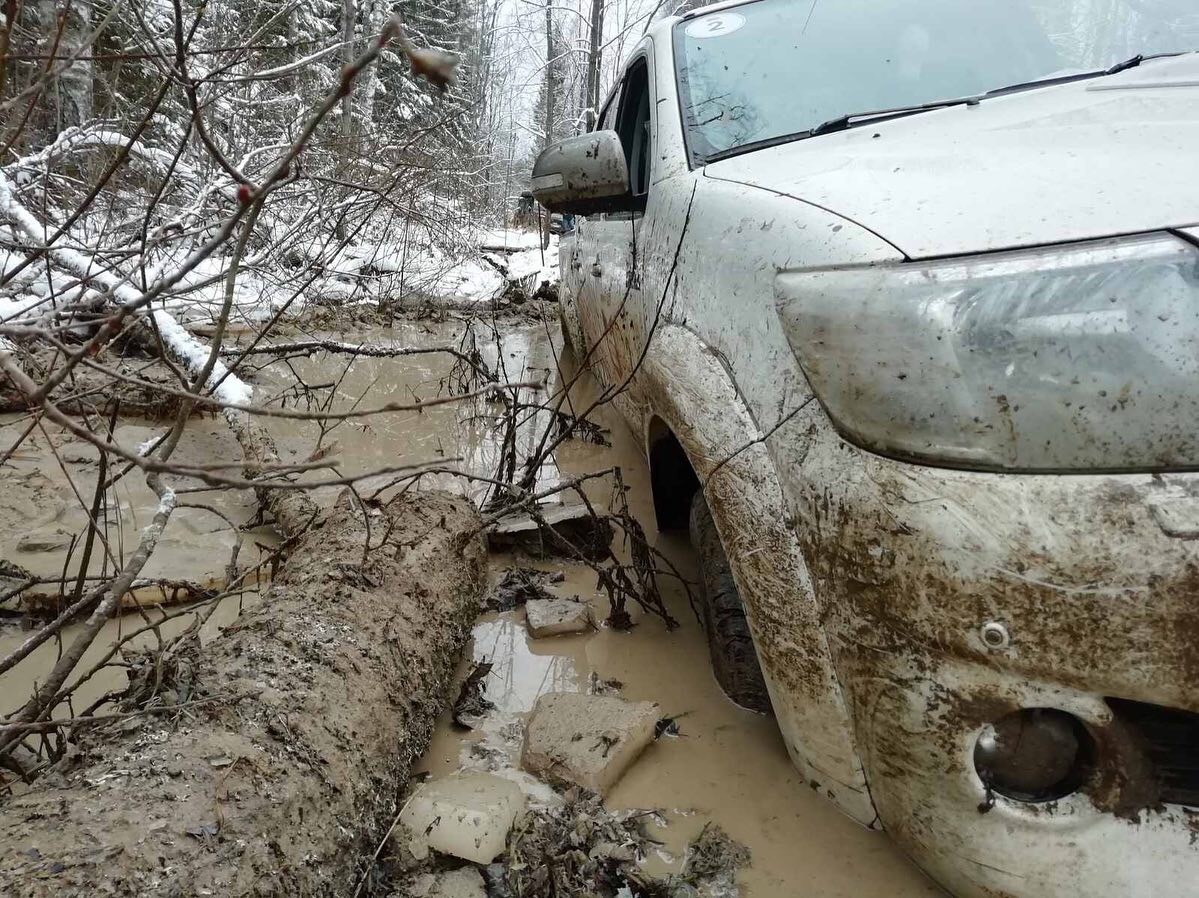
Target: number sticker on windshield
(715, 25)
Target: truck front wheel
(734, 659)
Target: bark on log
(341, 673)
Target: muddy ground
(303, 716)
(724, 765)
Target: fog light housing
(1036, 754)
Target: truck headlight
(1077, 357)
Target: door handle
(596, 270)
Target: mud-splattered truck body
(936, 370)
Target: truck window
(633, 126)
(607, 118)
(776, 69)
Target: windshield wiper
(841, 123)
(853, 119)
(850, 120)
(1123, 66)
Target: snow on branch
(80, 138)
(226, 388)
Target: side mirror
(583, 175)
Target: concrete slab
(467, 815)
(552, 617)
(586, 740)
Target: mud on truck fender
(692, 399)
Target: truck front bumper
(957, 602)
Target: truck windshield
(757, 73)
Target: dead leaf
(435, 66)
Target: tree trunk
(279, 769)
(372, 18)
(594, 60)
(348, 13)
(550, 67)
(74, 88)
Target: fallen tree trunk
(92, 392)
(279, 769)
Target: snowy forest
(376, 173)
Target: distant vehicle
(906, 296)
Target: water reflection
(521, 672)
(467, 435)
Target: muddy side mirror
(583, 175)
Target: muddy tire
(734, 660)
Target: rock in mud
(467, 815)
(54, 539)
(586, 740)
(567, 530)
(553, 617)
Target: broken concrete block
(588, 740)
(566, 530)
(551, 617)
(467, 815)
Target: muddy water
(727, 764)
(463, 435)
(48, 486)
(47, 489)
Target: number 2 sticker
(715, 25)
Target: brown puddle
(728, 765)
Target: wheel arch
(673, 480)
(694, 422)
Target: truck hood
(1111, 155)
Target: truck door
(617, 314)
(584, 265)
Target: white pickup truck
(903, 296)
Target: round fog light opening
(1035, 754)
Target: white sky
(520, 51)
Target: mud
(51, 481)
(92, 392)
(725, 765)
(278, 773)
